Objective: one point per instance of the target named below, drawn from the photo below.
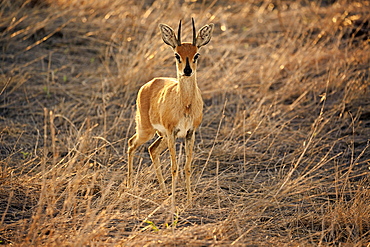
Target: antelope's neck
(188, 88)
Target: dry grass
(281, 158)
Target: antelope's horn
(179, 35)
(194, 32)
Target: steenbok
(171, 107)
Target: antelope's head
(186, 54)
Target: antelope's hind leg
(155, 151)
(133, 143)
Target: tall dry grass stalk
(281, 158)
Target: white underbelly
(183, 126)
(160, 128)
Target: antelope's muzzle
(187, 71)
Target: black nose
(187, 70)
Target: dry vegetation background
(282, 156)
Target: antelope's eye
(177, 56)
(196, 57)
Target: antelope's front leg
(174, 165)
(189, 146)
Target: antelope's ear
(204, 35)
(168, 35)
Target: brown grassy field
(282, 157)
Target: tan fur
(171, 108)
